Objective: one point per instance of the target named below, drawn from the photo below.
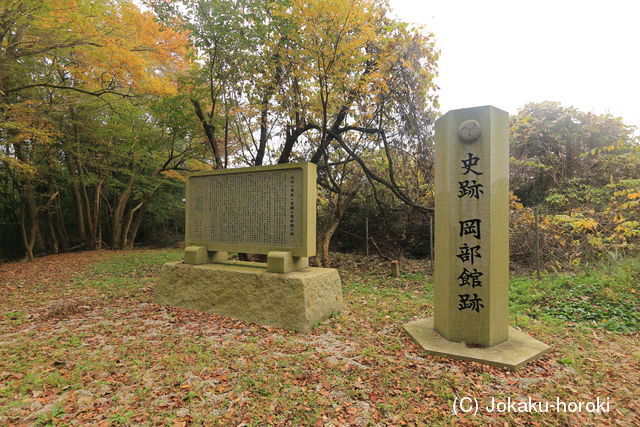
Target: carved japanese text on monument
(470, 247)
(253, 208)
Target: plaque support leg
(196, 255)
(284, 262)
(218, 256)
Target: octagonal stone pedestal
(514, 353)
(246, 291)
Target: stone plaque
(255, 210)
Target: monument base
(246, 291)
(514, 353)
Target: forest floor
(81, 341)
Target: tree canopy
(83, 85)
(100, 102)
(105, 106)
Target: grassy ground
(82, 342)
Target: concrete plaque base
(246, 291)
(514, 353)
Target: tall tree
(49, 51)
(334, 82)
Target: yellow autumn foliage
(568, 239)
(174, 175)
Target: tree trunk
(118, 215)
(94, 221)
(329, 228)
(262, 144)
(31, 221)
(28, 209)
(77, 197)
(77, 204)
(264, 113)
(54, 245)
(86, 203)
(209, 131)
(291, 138)
(130, 230)
(53, 241)
(133, 227)
(62, 228)
(131, 237)
(325, 240)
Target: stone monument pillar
(471, 271)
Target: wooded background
(105, 107)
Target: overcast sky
(510, 52)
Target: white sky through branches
(509, 52)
